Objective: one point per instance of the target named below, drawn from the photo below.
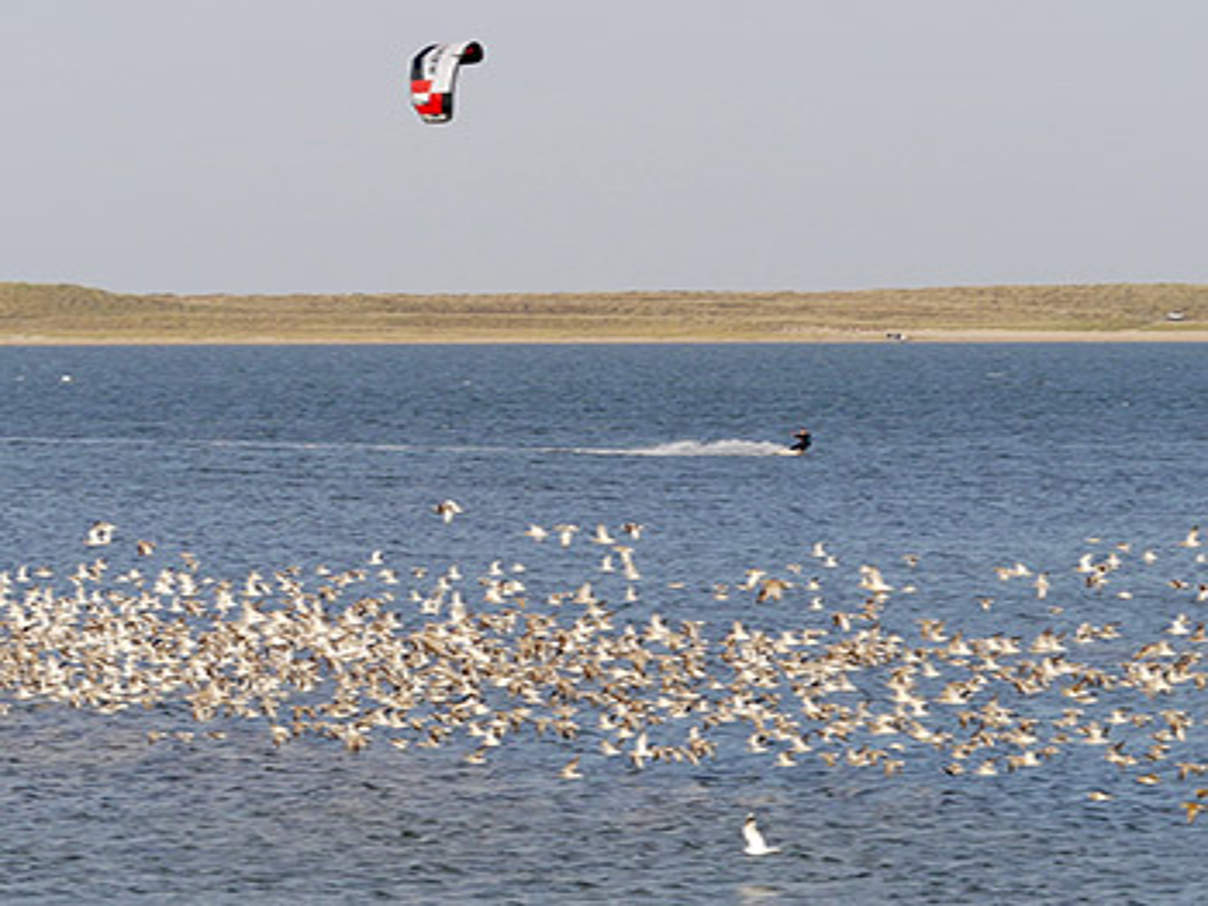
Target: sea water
(968, 457)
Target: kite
(433, 75)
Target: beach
(55, 314)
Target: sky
(216, 146)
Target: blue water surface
(967, 456)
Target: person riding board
(803, 441)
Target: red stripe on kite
(433, 106)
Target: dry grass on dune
(44, 313)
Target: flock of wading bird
(472, 660)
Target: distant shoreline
(923, 337)
(64, 314)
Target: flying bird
(756, 845)
(601, 536)
(447, 509)
(100, 533)
(771, 590)
(571, 770)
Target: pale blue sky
(268, 146)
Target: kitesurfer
(803, 441)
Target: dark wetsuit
(803, 441)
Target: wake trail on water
(727, 447)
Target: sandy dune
(65, 314)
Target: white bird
(571, 770)
(627, 565)
(756, 845)
(641, 751)
(601, 536)
(1180, 625)
(99, 533)
(872, 580)
(1192, 539)
(447, 509)
(1042, 585)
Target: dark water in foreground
(970, 457)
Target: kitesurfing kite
(433, 75)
